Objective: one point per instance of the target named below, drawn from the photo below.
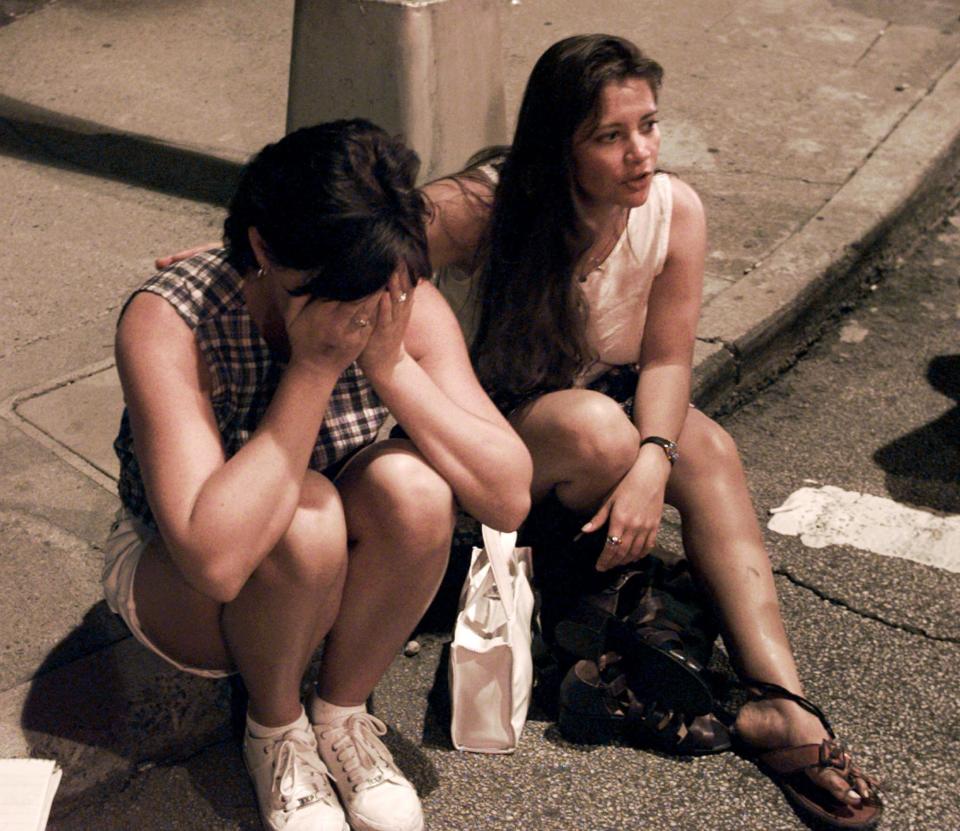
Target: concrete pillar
(428, 70)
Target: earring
(261, 273)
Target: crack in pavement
(909, 628)
(874, 42)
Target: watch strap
(669, 447)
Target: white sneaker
(375, 795)
(292, 783)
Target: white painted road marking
(831, 516)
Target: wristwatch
(669, 447)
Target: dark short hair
(337, 201)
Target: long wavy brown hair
(530, 336)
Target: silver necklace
(593, 262)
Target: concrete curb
(752, 331)
(38, 134)
(748, 334)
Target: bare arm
(430, 388)
(662, 398)
(666, 354)
(220, 517)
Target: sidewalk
(820, 135)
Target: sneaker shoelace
(298, 780)
(365, 760)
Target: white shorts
(127, 540)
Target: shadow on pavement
(120, 699)
(923, 467)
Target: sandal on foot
(788, 768)
(598, 707)
(655, 662)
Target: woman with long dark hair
(258, 517)
(588, 291)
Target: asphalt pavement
(823, 138)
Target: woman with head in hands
(258, 516)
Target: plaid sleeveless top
(206, 292)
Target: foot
(291, 782)
(375, 794)
(771, 724)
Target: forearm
(662, 400)
(485, 463)
(243, 508)
(661, 403)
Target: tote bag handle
(498, 545)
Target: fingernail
(586, 529)
(852, 794)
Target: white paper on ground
(27, 787)
(832, 516)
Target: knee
(413, 509)
(712, 449)
(313, 549)
(599, 434)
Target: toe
(838, 787)
(861, 787)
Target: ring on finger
(402, 298)
(614, 541)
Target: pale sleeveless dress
(616, 292)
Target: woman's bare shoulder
(148, 317)
(688, 222)
(455, 191)
(153, 340)
(687, 205)
(459, 212)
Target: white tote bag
(491, 669)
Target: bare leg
(269, 632)
(582, 444)
(400, 519)
(723, 542)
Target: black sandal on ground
(598, 707)
(656, 660)
(788, 767)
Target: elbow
(513, 504)
(517, 499)
(220, 588)
(213, 576)
(502, 498)
(500, 505)
(515, 512)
